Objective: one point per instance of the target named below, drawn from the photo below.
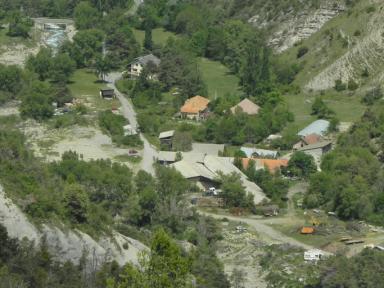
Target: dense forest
(351, 179)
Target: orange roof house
(307, 230)
(194, 107)
(271, 164)
(246, 106)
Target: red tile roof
(312, 138)
(271, 164)
(195, 105)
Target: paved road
(149, 152)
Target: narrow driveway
(149, 152)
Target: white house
(136, 66)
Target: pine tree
(255, 75)
(148, 43)
(250, 74)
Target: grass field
(6, 41)
(84, 86)
(215, 74)
(218, 79)
(159, 36)
(347, 108)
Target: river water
(55, 36)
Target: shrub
(370, 9)
(301, 165)
(344, 43)
(111, 123)
(352, 85)
(320, 109)
(129, 140)
(68, 120)
(333, 124)
(373, 95)
(37, 101)
(339, 85)
(302, 51)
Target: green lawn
(218, 79)
(159, 36)
(347, 108)
(10, 41)
(215, 74)
(84, 86)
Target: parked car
(133, 153)
(212, 191)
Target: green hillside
(336, 37)
(347, 48)
(218, 79)
(160, 36)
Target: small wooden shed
(107, 93)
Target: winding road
(149, 152)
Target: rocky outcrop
(367, 53)
(72, 244)
(294, 26)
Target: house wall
(136, 69)
(166, 142)
(327, 149)
(298, 145)
(194, 116)
(190, 116)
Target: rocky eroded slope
(293, 25)
(69, 244)
(365, 53)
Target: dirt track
(149, 152)
(268, 233)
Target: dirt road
(149, 152)
(299, 187)
(264, 230)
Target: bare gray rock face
(69, 245)
(291, 27)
